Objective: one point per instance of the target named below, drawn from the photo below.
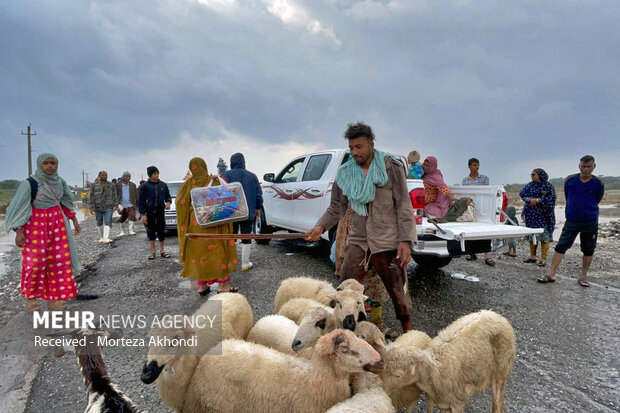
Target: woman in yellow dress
(208, 261)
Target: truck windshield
(174, 188)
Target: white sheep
(274, 331)
(251, 376)
(351, 284)
(408, 395)
(296, 308)
(349, 308)
(370, 333)
(369, 396)
(303, 287)
(474, 353)
(169, 367)
(318, 322)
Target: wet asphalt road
(567, 336)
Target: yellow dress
(203, 259)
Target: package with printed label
(217, 205)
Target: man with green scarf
(374, 184)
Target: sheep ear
(188, 332)
(412, 370)
(379, 339)
(365, 297)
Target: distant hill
(8, 187)
(611, 182)
(7, 190)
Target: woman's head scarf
(542, 215)
(200, 177)
(433, 176)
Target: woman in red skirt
(39, 213)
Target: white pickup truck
(299, 194)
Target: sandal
(541, 264)
(230, 290)
(489, 262)
(32, 305)
(390, 334)
(152, 256)
(205, 292)
(546, 279)
(509, 254)
(472, 257)
(529, 261)
(582, 281)
(164, 255)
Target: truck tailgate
(476, 230)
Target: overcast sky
(120, 85)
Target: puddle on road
(461, 276)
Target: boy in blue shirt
(583, 193)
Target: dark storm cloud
(513, 83)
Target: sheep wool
(296, 308)
(303, 287)
(274, 331)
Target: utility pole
(29, 134)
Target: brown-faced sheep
(274, 331)
(251, 377)
(303, 287)
(474, 353)
(170, 367)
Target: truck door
(279, 194)
(309, 194)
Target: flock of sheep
(318, 354)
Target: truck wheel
(431, 261)
(261, 227)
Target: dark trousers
(156, 225)
(587, 232)
(246, 227)
(393, 276)
(128, 214)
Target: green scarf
(358, 187)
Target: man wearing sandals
(583, 192)
(476, 178)
(382, 227)
(153, 200)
